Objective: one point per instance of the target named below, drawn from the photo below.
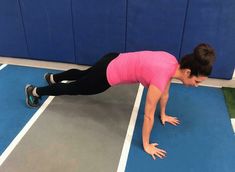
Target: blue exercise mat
(203, 142)
(14, 112)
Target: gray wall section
(76, 133)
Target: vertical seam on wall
(73, 31)
(185, 18)
(126, 25)
(25, 36)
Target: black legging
(84, 82)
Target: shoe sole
(26, 95)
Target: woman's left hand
(170, 119)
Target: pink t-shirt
(146, 67)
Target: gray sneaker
(31, 100)
(47, 77)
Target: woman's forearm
(146, 130)
(163, 103)
(152, 98)
(164, 99)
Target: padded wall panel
(155, 25)
(12, 42)
(99, 28)
(212, 22)
(49, 33)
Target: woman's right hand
(154, 151)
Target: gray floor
(80, 133)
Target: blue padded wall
(49, 31)
(155, 25)
(99, 28)
(12, 36)
(81, 32)
(212, 21)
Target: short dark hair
(200, 62)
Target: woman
(153, 69)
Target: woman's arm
(163, 102)
(164, 99)
(152, 99)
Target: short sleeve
(160, 81)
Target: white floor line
(26, 128)
(2, 66)
(21, 134)
(130, 131)
(233, 124)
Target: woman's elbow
(165, 96)
(149, 118)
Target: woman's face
(194, 81)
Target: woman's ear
(187, 72)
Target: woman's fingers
(153, 157)
(160, 153)
(156, 152)
(163, 151)
(170, 119)
(174, 121)
(155, 144)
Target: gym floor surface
(94, 133)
